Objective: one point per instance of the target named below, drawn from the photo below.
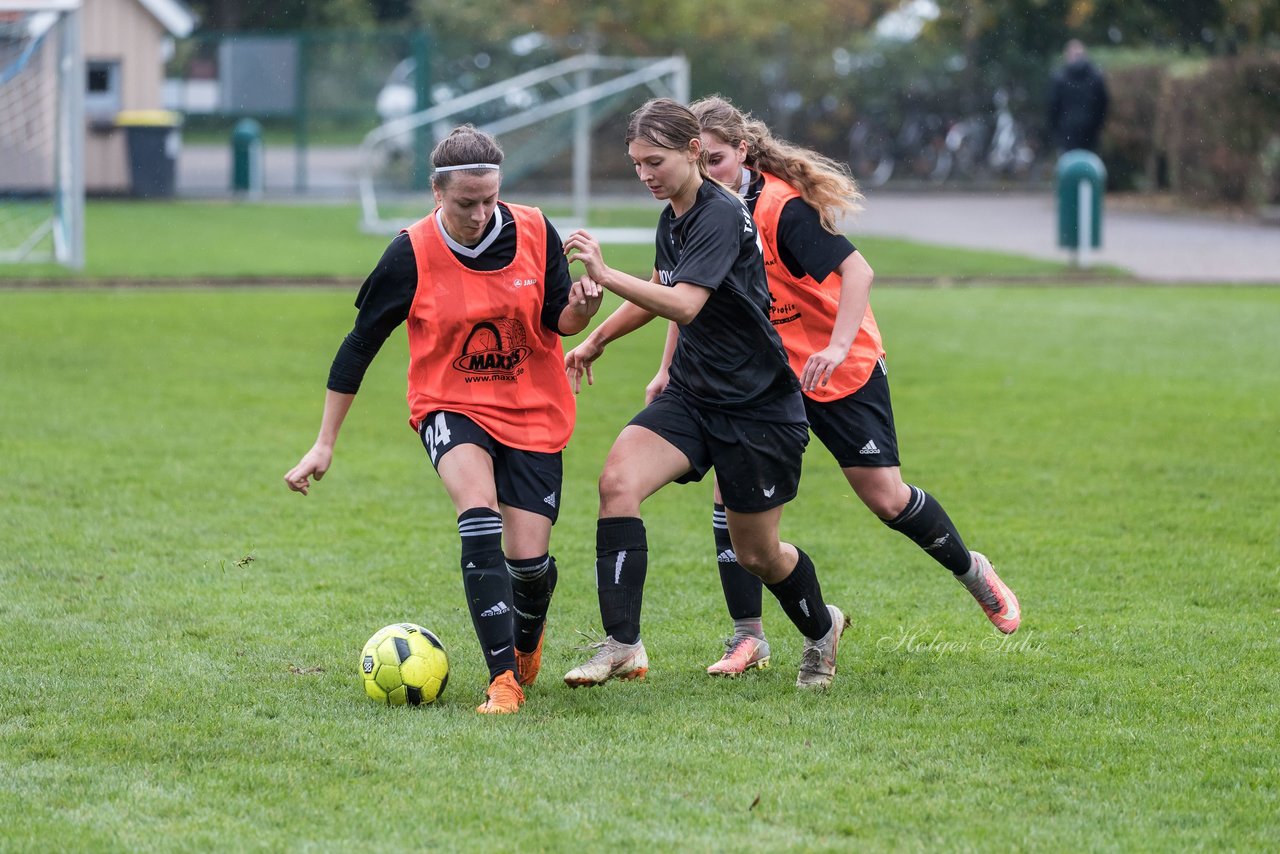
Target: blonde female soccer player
(820, 285)
(485, 292)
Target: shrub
(1208, 130)
(1218, 129)
(1128, 142)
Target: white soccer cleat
(612, 660)
(818, 661)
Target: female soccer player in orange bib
(820, 285)
(732, 403)
(486, 293)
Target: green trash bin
(1080, 180)
(153, 140)
(246, 158)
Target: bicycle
(918, 150)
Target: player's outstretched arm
(680, 303)
(856, 276)
(317, 460)
(625, 319)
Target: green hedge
(1209, 131)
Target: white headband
(467, 166)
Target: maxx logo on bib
(495, 348)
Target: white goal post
(42, 83)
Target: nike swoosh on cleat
(1011, 613)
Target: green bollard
(246, 159)
(1080, 180)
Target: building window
(102, 90)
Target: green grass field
(218, 241)
(181, 632)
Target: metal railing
(668, 76)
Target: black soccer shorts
(757, 462)
(858, 429)
(526, 480)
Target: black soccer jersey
(729, 356)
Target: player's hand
(316, 462)
(820, 367)
(656, 386)
(585, 297)
(577, 362)
(581, 246)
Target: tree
(283, 15)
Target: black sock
(742, 590)
(622, 561)
(800, 596)
(926, 524)
(532, 583)
(488, 587)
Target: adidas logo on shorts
(550, 499)
(869, 448)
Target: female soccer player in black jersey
(732, 402)
(485, 291)
(820, 285)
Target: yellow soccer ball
(404, 663)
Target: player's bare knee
(884, 495)
(619, 495)
(761, 561)
(884, 504)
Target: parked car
(399, 95)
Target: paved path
(1161, 247)
(205, 171)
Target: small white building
(126, 44)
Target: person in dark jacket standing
(1078, 101)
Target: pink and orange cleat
(742, 652)
(995, 597)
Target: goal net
(41, 133)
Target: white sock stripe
(915, 505)
(529, 573)
(495, 519)
(483, 528)
(480, 529)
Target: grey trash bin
(153, 140)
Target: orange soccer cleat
(529, 663)
(504, 696)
